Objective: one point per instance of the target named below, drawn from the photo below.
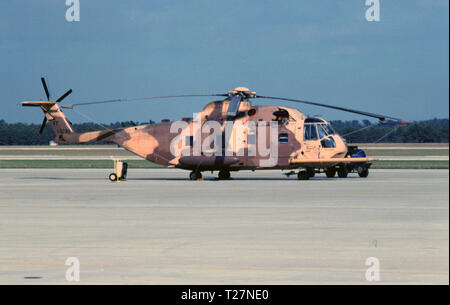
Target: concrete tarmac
(259, 228)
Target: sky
(324, 51)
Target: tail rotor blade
(43, 125)
(45, 88)
(64, 96)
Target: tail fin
(58, 121)
(61, 125)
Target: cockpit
(319, 129)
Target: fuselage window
(310, 132)
(283, 138)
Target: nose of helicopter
(341, 145)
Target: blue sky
(323, 51)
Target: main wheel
(113, 177)
(343, 171)
(303, 175)
(311, 172)
(330, 172)
(364, 173)
(224, 175)
(194, 175)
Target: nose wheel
(364, 173)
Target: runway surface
(259, 228)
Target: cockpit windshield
(330, 131)
(322, 132)
(317, 130)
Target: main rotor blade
(45, 88)
(64, 96)
(369, 114)
(139, 99)
(43, 125)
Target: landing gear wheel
(364, 173)
(113, 177)
(303, 175)
(343, 171)
(330, 172)
(224, 175)
(311, 172)
(195, 175)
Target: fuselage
(297, 138)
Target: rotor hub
(242, 91)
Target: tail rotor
(47, 93)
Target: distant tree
(367, 123)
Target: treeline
(430, 131)
(28, 134)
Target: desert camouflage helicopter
(306, 143)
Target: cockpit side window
(322, 132)
(330, 131)
(310, 133)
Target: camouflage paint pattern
(152, 142)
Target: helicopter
(228, 135)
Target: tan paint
(152, 142)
